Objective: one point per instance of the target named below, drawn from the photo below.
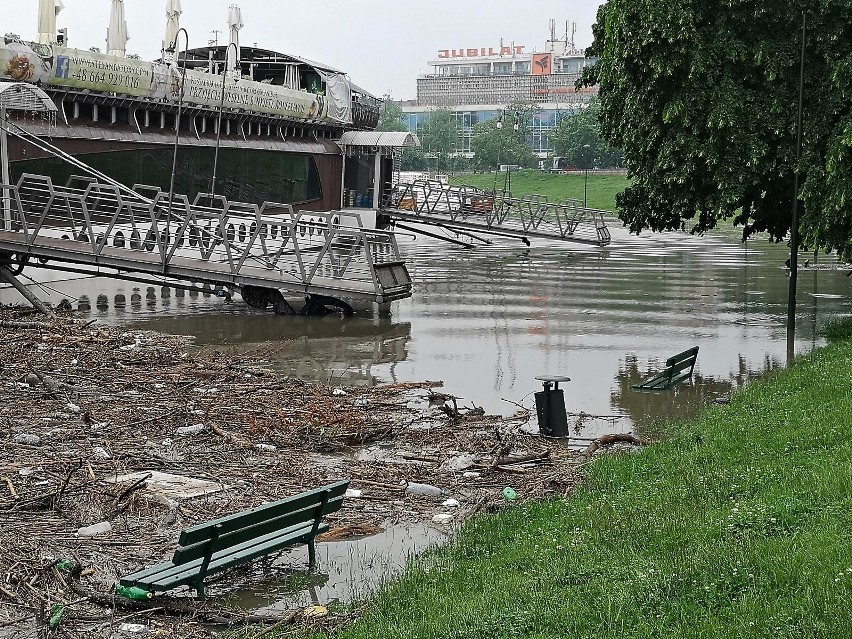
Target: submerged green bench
(229, 541)
(678, 368)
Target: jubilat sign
(490, 52)
(53, 66)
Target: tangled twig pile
(84, 405)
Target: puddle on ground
(346, 571)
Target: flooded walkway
(487, 321)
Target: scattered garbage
(509, 494)
(188, 431)
(267, 448)
(451, 503)
(101, 452)
(27, 439)
(442, 518)
(339, 392)
(459, 463)
(133, 628)
(422, 489)
(353, 492)
(56, 613)
(66, 565)
(315, 612)
(133, 592)
(361, 402)
(73, 408)
(471, 475)
(95, 529)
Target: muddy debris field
(96, 421)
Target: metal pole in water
(219, 123)
(177, 124)
(4, 161)
(794, 224)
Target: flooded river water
(487, 321)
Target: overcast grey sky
(382, 44)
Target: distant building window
(502, 68)
(522, 68)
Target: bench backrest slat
(303, 521)
(302, 505)
(689, 354)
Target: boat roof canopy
(21, 96)
(254, 55)
(399, 139)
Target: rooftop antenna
(214, 41)
(552, 30)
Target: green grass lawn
(740, 525)
(601, 188)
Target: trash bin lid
(553, 378)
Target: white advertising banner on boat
(55, 66)
(206, 89)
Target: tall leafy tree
(439, 136)
(493, 145)
(701, 96)
(575, 131)
(391, 116)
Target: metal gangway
(466, 208)
(262, 251)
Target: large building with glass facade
(478, 84)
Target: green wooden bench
(214, 546)
(678, 368)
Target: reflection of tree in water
(649, 409)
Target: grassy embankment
(601, 188)
(739, 526)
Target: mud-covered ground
(82, 405)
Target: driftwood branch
(606, 440)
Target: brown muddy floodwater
(487, 321)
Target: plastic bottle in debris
(56, 613)
(133, 592)
(422, 489)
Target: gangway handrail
(107, 226)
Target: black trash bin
(550, 407)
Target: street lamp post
(219, 122)
(177, 122)
(586, 148)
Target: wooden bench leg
(199, 588)
(312, 554)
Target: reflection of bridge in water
(468, 209)
(261, 251)
(329, 351)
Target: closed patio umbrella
(117, 34)
(235, 23)
(47, 12)
(173, 11)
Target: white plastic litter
(422, 489)
(188, 431)
(451, 503)
(456, 464)
(73, 408)
(442, 518)
(101, 452)
(353, 492)
(471, 475)
(339, 392)
(95, 529)
(268, 448)
(27, 439)
(361, 402)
